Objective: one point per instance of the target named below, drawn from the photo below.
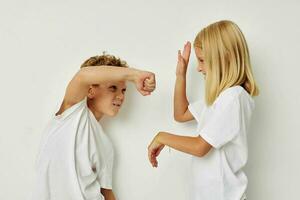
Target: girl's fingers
(181, 59)
(158, 152)
(152, 158)
(152, 154)
(187, 51)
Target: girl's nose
(199, 68)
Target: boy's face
(108, 98)
(201, 63)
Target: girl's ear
(93, 89)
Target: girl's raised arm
(181, 111)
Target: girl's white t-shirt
(219, 174)
(75, 158)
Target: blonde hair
(226, 58)
(104, 60)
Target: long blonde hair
(226, 58)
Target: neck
(98, 115)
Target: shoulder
(67, 109)
(235, 95)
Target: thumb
(152, 77)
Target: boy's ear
(93, 89)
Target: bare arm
(78, 87)
(181, 112)
(108, 194)
(196, 146)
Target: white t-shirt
(219, 174)
(75, 158)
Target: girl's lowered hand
(154, 150)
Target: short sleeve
(73, 110)
(103, 160)
(105, 177)
(223, 125)
(196, 109)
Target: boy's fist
(145, 82)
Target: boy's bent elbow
(82, 76)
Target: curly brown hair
(104, 59)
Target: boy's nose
(120, 96)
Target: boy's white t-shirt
(75, 158)
(219, 174)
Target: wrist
(158, 137)
(180, 76)
(131, 74)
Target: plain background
(43, 43)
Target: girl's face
(107, 98)
(201, 64)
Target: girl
(75, 159)
(219, 150)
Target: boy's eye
(123, 91)
(113, 88)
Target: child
(219, 150)
(76, 157)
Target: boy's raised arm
(78, 87)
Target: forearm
(186, 144)
(99, 74)
(180, 100)
(108, 194)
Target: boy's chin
(112, 113)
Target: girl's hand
(144, 82)
(183, 59)
(153, 151)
